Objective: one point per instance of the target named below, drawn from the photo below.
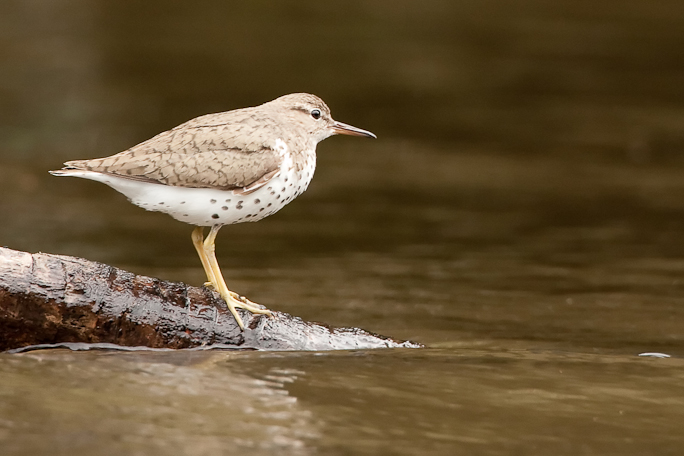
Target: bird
(220, 169)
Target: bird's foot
(244, 303)
(234, 300)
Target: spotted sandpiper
(224, 168)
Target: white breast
(206, 206)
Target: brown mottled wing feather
(226, 150)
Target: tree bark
(54, 299)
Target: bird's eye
(316, 114)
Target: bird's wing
(209, 151)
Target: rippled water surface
(521, 214)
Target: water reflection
(488, 400)
(435, 401)
(147, 403)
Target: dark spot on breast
(283, 189)
(269, 204)
(239, 205)
(277, 196)
(182, 202)
(162, 203)
(212, 201)
(225, 208)
(261, 210)
(185, 215)
(257, 201)
(227, 201)
(272, 193)
(214, 216)
(269, 188)
(286, 179)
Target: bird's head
(313, 115)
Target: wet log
(54, 299)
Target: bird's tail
(67, 171)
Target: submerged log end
(54, 299)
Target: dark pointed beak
(344, 129)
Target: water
(437, 401)
(520, 214)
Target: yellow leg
(206, 251)
(242, 302)
(198, 242)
